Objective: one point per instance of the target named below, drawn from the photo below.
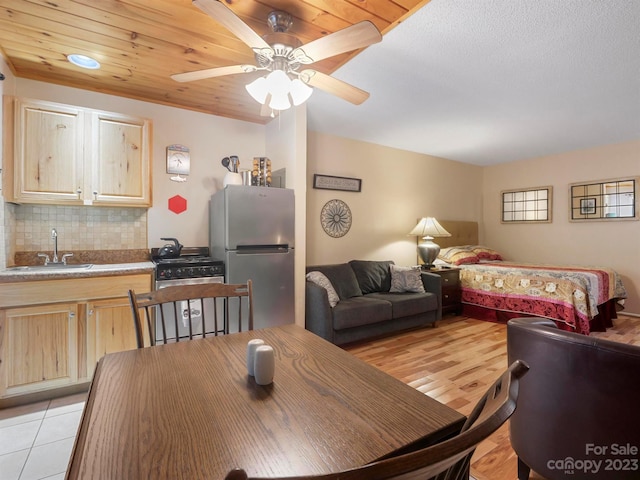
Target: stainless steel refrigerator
(252, 231)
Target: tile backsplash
(79, 228)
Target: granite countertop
(103, 263)
(19, 274)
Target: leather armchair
(579, 406)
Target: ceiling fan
(284, 57)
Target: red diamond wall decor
(177, 204)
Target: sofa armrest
(318, 314)
(432, 283)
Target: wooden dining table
(189, 410)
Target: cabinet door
(120, 160)
(49, 153)
(110, 329)
(40, 348)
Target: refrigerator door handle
(259, 249)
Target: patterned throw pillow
(321, 280)
(406, 279)
(485, 253)
(458, 255)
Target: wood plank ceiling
(140, 43)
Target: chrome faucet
(55, 261)
(54, 236)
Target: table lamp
(428, 228)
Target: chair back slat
(447, 460)
(171, 307)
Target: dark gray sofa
(366, 308)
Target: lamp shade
(300, 91)
(258, 89)
(429, 227)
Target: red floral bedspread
(570, 295)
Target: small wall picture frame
(331, 182)
(588, 206)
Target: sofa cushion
(372, 276)
(342, 278)
(321, 280)
(407, 304)
(406, 279)
(358, 311)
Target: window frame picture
(527, 205)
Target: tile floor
(36, 439)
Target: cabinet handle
(446, 280)
(90, 312)
(134, 146)
(79, 192)
(95, 194)
(72, 314)
(61, 125)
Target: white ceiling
(492, 81)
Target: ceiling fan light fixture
(300, 91)
(258, 89)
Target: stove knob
(178, 272)
(165, 274)
(189, 272)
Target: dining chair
(447, 460)
(165, 310)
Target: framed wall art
(527, 205)
(613, 199)
(330, 182)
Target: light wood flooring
(455, 363)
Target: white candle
(264, 365)
(251, 352)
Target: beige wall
(398, 187)
(614, 244)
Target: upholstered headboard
(462, 233)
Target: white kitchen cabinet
(66, 155)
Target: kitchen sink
(52, 266)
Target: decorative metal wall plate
(335, 218)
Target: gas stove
(193, 262)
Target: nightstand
(451, 291)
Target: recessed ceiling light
(83, 61)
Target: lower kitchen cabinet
(55, 344)
(109, 329)
(39, 347)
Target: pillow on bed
(458, 255)
(406, 279)
(485, 253)
(321, 280)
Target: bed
(578, 299)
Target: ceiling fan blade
(225, 17)
(212, 72)
(334, 86)
(359, 35)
